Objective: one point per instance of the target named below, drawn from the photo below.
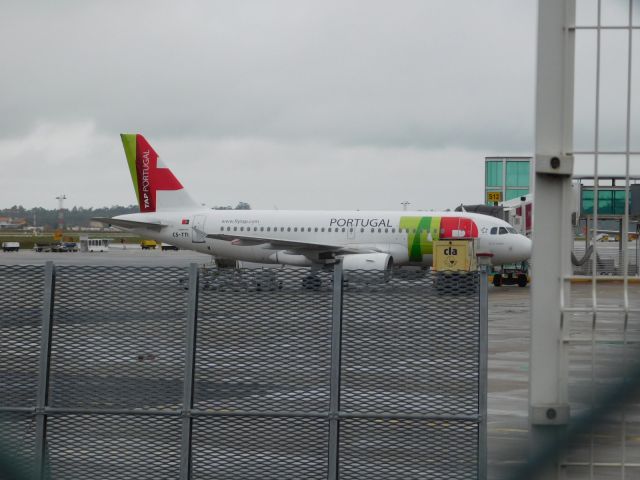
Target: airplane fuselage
(259, 235)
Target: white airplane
(368, 240)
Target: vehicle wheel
(497, 280)
(522, 280)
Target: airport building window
(494, 173)
(516, 193)
(610, 201)
(517, 174)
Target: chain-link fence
(128, 372)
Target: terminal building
(508, 183)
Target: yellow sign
(453, 255)
(494, 196)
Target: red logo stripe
(150, 177)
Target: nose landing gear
(511, 275)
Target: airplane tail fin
(156, 187)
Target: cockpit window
(494, 230)
(511, 230)
(502, 231)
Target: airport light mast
(61, 200)
(405, 204)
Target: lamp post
(61, 200)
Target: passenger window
(222, 229)
(393, 230)
(242, 229)
(295, 229)
(316, 229)
(228, 229)
(288, 229)
(351, 229)
(329, 229)
(373, 230)
(268, 229)
(235, 229)
(362, 230)
(322, 229)
(502, 231)
(343, 229)
(494, 230)
(262, 229)
(379, 230)
(386, 230)
(309, 229)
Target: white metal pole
(552, 239)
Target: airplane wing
(129, 223)
(292, 245)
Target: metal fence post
(189, 372)
(44, 366)
(483, 299)
(334, 395)
(552, 239)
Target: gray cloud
(336, 104)
(428, 74)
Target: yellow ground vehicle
(148, 244)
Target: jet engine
(367, 261)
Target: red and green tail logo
(148, 177)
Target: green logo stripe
(129, 143)
(422, 232)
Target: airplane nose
(525, 247)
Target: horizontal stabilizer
(129, 223)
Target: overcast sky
(287, 104)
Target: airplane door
(198, 234)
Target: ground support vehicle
(148, 244)
(10, 246)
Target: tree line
(79, 216)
